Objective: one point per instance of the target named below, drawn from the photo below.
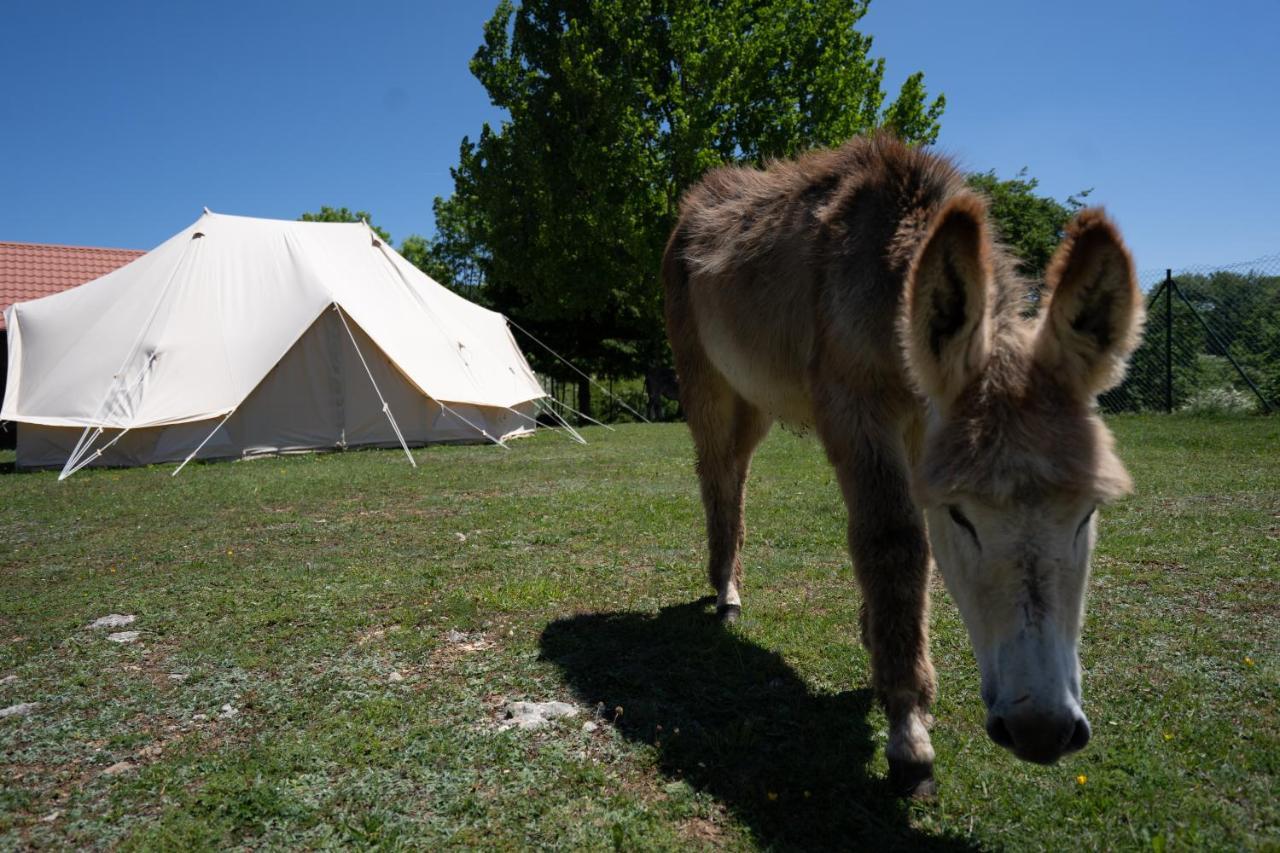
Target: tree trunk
(584, 399)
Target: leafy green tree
(1029, 223)
(342, 214)
(1242, 310)
(416, 249)
(559, 216)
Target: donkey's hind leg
(726, 431)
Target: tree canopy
(1031, 224)
(342, 214)
(559, 216)
(415, 248)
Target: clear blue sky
(119, 121)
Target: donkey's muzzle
(1041, 738)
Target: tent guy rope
(386, 410)
(574, 367)
(201, 445)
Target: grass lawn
(327, 644)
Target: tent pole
(386, 410)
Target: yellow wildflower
(1081, 779)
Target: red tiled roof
(32, 270)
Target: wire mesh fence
(1212, 346)
(1212, 342)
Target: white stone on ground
(113, 620)
(19, 710)
(533, 715)
(123, 636)
(118, 767)
(395, 677)
(8, 679)
(229, 711)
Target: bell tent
(243, 336)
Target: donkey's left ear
(1093, 319)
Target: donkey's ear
(947, 322)
(1093, 319)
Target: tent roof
(186, 331)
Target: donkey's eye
(1088, 516)
(958, 517)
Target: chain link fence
(1212, 346)
(1212, 342)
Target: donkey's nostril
(999, 732)
(1079, 736)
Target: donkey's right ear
(947, 319)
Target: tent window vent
(376, 242)
(197, 235)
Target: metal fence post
(1168, 341)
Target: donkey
(859, 292)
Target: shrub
(1221, 401)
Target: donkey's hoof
(728, 613)
(912, 780)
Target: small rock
(113, 620)
(123, 637)
(589, 727)
(533, 715)
(462, 537)
(19, 710)
(455, 637)
(118, 768)
(150, 751)
(395, 677)
(228, 711)
(199, 717)
(177, 676)
(8, 679)
(51, 816)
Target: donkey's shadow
(733, 719)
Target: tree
(559, 216)
(341, 214)
(416, 249)
(1242, 309)
(1032, 225)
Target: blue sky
(119, 121)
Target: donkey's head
(1015, 462)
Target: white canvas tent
(241, 336)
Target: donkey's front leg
(891, 558)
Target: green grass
(293, 588)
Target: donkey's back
(772, 274)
